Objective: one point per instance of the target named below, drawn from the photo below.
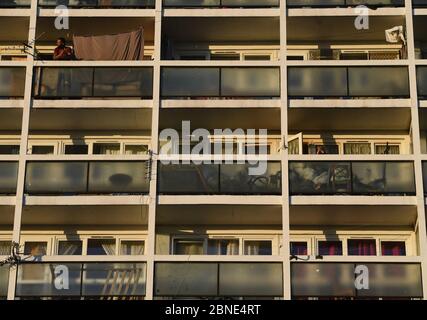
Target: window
(387, 149)
(136, 149)
(223, 247)
(354, 56)
(5, 248)
(188, 246)
(323, 149)
(9, 149)
(393, 248)
(256, 149)
(299, 248)
(257, 57)
(255, 248)
(103, 247)
(357, 148)
(70, 248)
(42, 150)
(225, 56)
(106, 148)
(35, 248)
(132, 247)
(76, 149)
(330, 248)
(362, 247)
(225, 147)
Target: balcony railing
(98, 3)
(220, 3)
(352, 178)
(218, 179)
(85, 280)
(422, 81)
(88, 82)
(195, 279)
(348, 82)
(8, 177)
(224, 82)
(345, 3)
(4, 281)
(15, 3)
(86, 177)
(386, 280)
(12, 82)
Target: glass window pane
(378, 81)
(251, 279)
(393, 248)
(250, 82)
(181, 178)
(322, 280)
(330, 248)
(72, 248)
(103, 247)
(387, 149)
(56, 177)
(185, 279)
(422, 81)
(42, 150)
(114, 279)
(5, 248)
(383, 177)
(393, 280)
(4, 280)
(63, 82)
(362, 247)
(8, 177)
(12, 82)
(188, 246)
(9, 149)
(190, 82)
(76, 149)
(106, 148)
(35, 248)
(255, 248)
(38, 279)
(298, 248)
(317, 82)
(224, 247)
(136, 149)
(191, 3)
(123, 82)
(132, 247)
(118, 177)
(319, 177)
(357, 148)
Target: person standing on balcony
(62, 52)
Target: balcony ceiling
(211, 118)
(46, 31)
(14, 29)
(218, 215)
(85, 215)
(349, 119)
(221, 29)
(353, 216)
(90, 119)
(317, 29)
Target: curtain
(330, 248)
(362, 247)
(111, 149)
(384, 149)
(357, 148)
(5, 248)
(132, 248)
(293, 146)
(299, 248)
(109, 248)
(188, 247)
(393, 248)
(70, 248)
(123, 46)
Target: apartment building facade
(87, 194)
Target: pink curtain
(123, 46)
(362, 247)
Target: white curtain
(132, 248)
(5, 247)
(69, 248)
(109, 248)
